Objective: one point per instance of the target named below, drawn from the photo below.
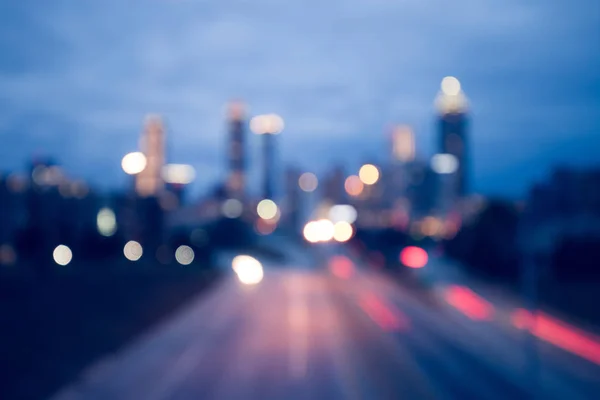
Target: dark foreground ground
(53, 328)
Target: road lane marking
(559, 334)
(388, 318)
(298, 320)
(469, 303)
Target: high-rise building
(452, 107)
(293, 203)
(236, 179)
(333, 186)
(149, 182)
(403, 144)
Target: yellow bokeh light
(368, 174)
(133, 250)
(308, 182)
(342, 231)
(62, 255)
(267, 209)
(353, 185)
(134, 163)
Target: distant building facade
(236, 156)
(149, 182)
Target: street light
(267, 125)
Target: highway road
(338, 332)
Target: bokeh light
(7, 255)
(266, 124)
(450, 86)
(133, 250)
(413, 257)
(444, 163)
(341, 266)
(62, 255)
(308, 182)
(232, 208)
(342, 231)
(267, 209)
(431, 226)
(353, 185)
(106, 222)
(265, 227)
(181, 174)
(184, 255)
(134, 163)
(79, 189)
(368, 174)
(248, 269)
(343, 212)
(325, 229)
(311, 232)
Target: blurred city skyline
(340, 74)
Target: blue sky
(77, 78)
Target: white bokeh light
(444, 163)
(232, 208)
(325, 229)
(343, 212)
(266, 124)
(134, 163)
(184, 255)
(450, 86)
(62, 255)
(181, 174)
(308, 182)
(133, 250)
(267, 209)
(106, 222)
(248, 269)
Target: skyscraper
(452, 107)
(236, 180)
(403, 144)
(333, 186)
(149, 182)
(293, 211)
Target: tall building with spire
(149, 182)
(403, 144)
(236, 179)
(452, 106)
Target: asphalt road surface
(343, 333)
